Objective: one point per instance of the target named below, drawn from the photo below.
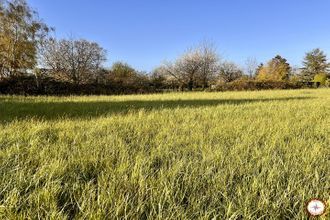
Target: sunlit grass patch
(167, 156)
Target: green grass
(231, 155)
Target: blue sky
(144, 33)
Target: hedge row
(240, 85)
(48, 86)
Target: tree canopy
(315, 62)
(21, 34)
(277, 69)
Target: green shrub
(248, 84)
(321, 79)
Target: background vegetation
(231, 155)
(33, 62)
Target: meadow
(197, 155)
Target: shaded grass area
(244, 155)
(12, 108)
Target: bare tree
(251, 66)
(195, 67)
(188, 66)
(170, 72)
(210, 63)
(75, 60)
(229, 72)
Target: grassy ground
(229, 155)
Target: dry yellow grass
(232, 155)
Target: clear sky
(144, 33)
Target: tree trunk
(190, 85)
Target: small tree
(77, 61)
(122, 73)
(251, 66)
(209, 64)
(277, 69)
(187, 66)
(229, 72)
(161, 80)
(196, 67)
(315, 62)
(21, 33)
(320, 78)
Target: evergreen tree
(315, 62)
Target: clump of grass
(226, 155)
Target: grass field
(231, 155)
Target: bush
(327, 83)
(28, 85)
(320, 79)
(248, 84)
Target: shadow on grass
(13, 108)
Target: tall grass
(232, 155)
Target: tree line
(34, 62)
